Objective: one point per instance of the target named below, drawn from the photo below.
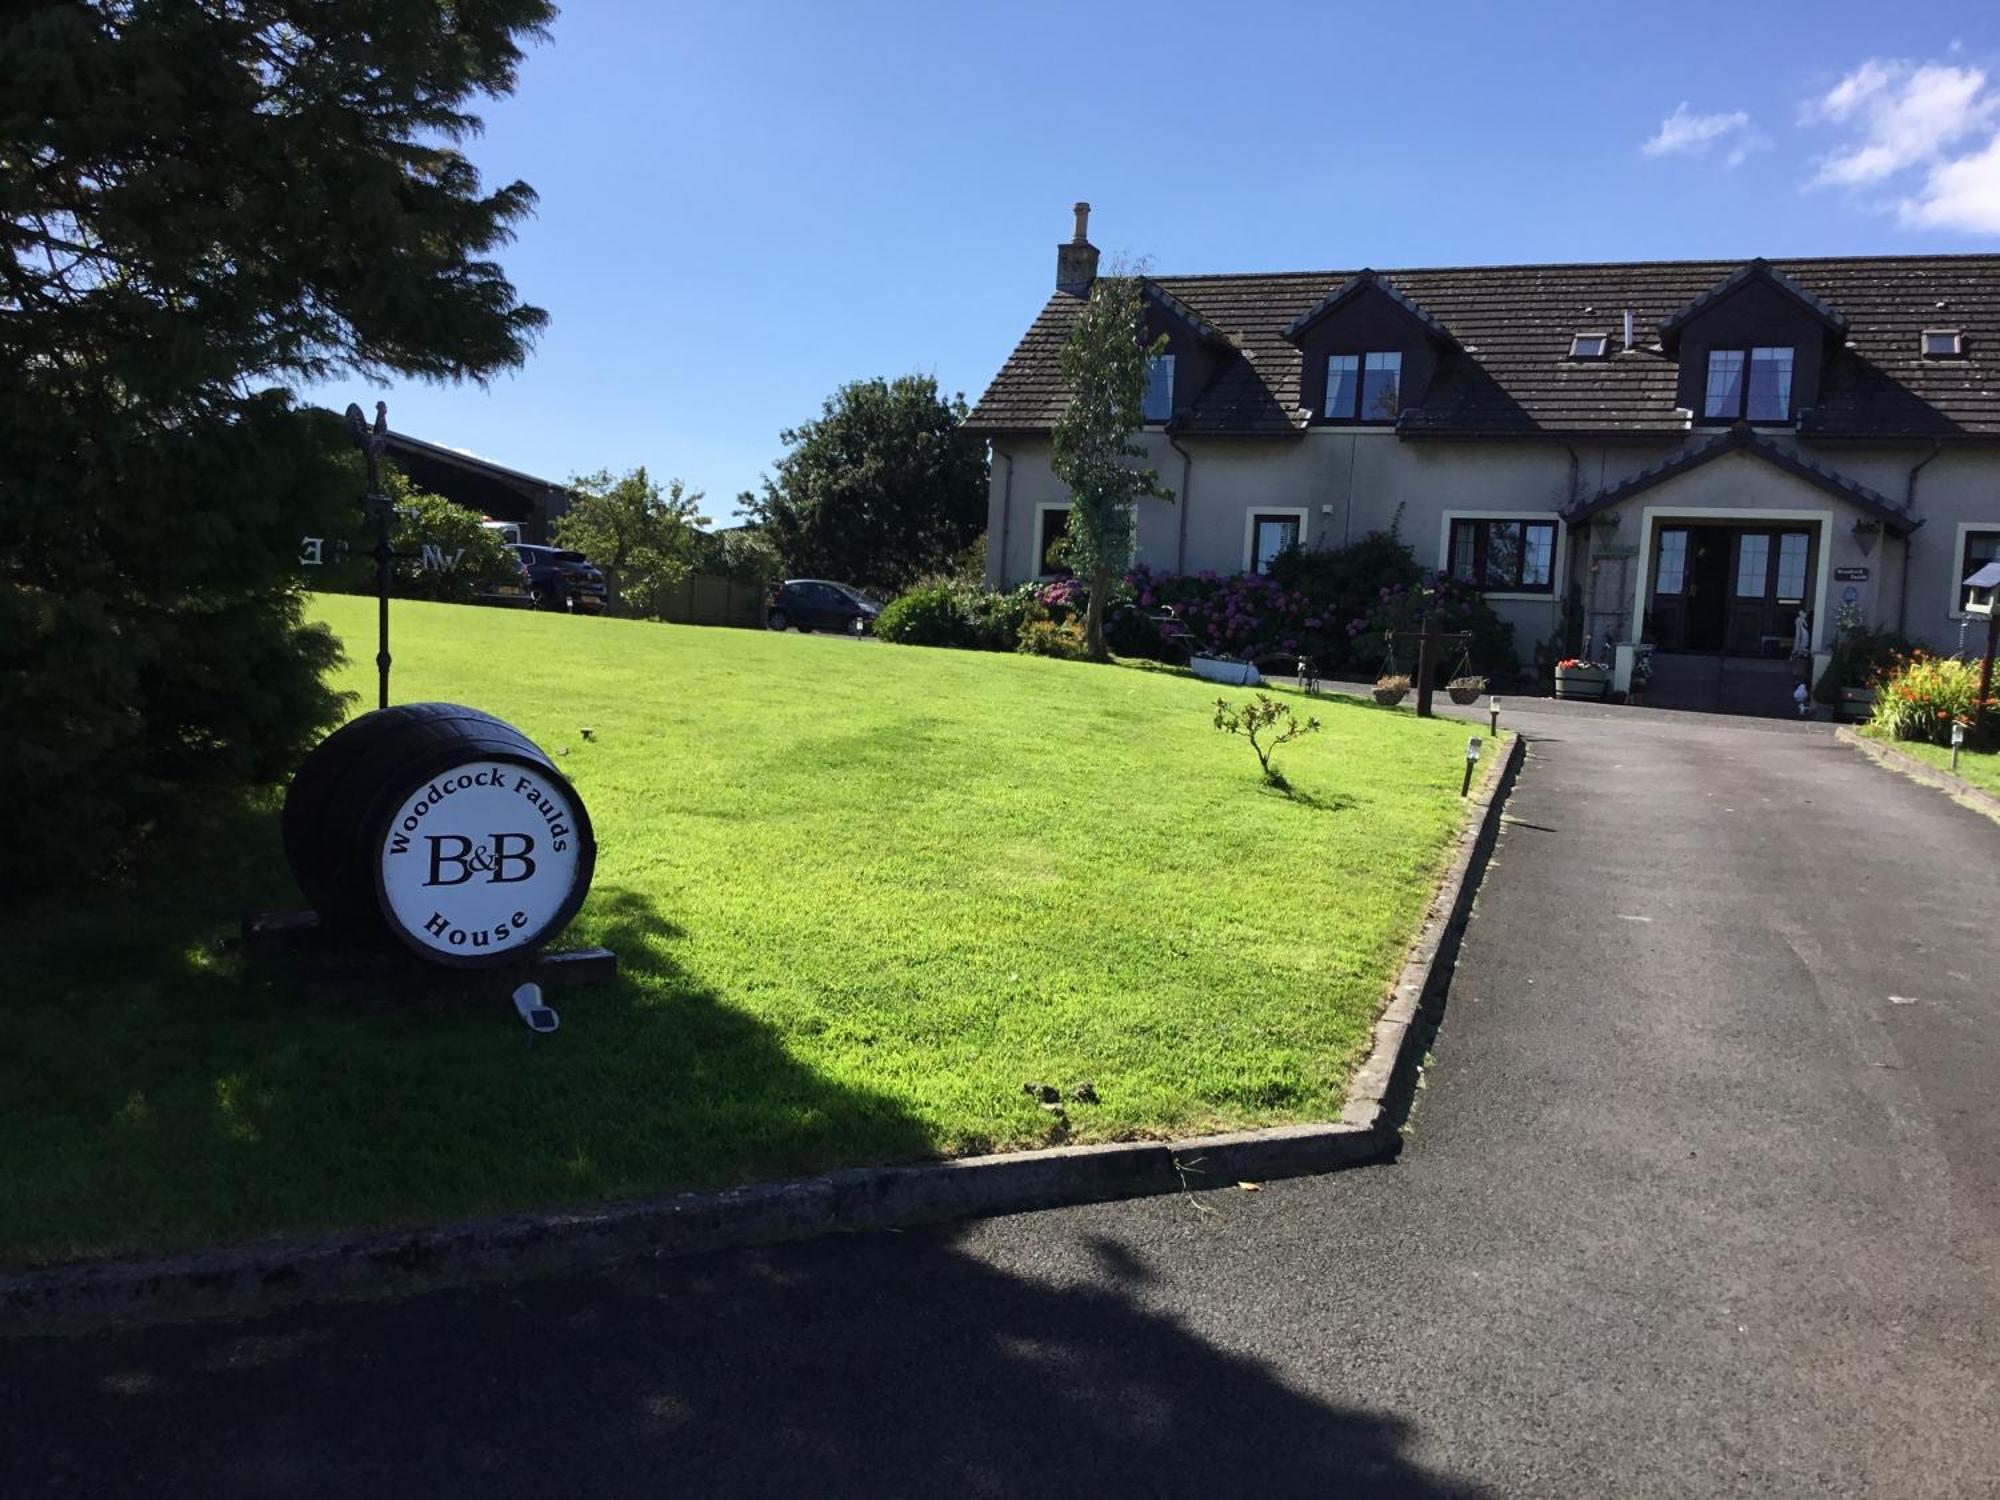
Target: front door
(1767, 589)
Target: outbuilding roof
(1506, 370)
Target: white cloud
(1902, 118)
(1685, 133)
(1963, 194)
(1905, 116)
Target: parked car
(516, 592)
(809, 604)
(560, 579)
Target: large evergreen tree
(882, 489)
(204, 202)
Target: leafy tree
(641, 536)
(200, 200)
(883, 489)
(739, 552)
(1104, 364)
(448, 553)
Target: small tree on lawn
(643, 537)
(1105, 365)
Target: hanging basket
(1465, 689)
(1389, 691)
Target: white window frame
(1153, 362)
(1557, 565)
(1036, 570)
(1250, 516)
(1956, 335)
(1602, 351)
(1041, 506)
(1953, 611)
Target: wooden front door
(1769, 576)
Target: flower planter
(1465, 689)
(1583, 682)
(1857, 704)
(1390, 697)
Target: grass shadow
(162, 1090)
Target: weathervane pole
(373, 443)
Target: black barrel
(442, 829)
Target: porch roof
(1743, 439)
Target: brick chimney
(1076, 262)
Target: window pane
(1981, 547)
(1054, 524)
(1673, 562)
(1791, 567)
(1538, 556)
(1725, 383)
(1381, 377)
(1273, 535)
(1463, 534)
(1159, 403)
(1753, 565)
(1503, 554)
(1770, 385)
(1342, 371)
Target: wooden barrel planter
(439, 829)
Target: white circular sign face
(480, 858)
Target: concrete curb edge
(256, 1278)
(1888, 756)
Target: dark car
(515, 591)
(815, 604)
(559, 579)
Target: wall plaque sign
(1850, 575)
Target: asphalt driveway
(1702, 1196)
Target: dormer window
(1158, 403)
(1590, 346)
(1364, 387)
(1748, 384)
(1943, 343)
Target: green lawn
(861, 894)
(1981, 768)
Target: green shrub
(1857, 659)
(1924, 696)
(929, 615)
(1444, 605)
(1045, 637)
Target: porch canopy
(1735, 541)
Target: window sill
(1545, 596)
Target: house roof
(1353, 287)
(1743, 439)
(1758, 270)
(1507, 373)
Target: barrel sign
(479, 859)
(442, 829)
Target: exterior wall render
(1352, 481)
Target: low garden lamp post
(1493, 717)
(1471, 760)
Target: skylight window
(1590, 346)
(1943, 343)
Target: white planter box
(1226, 669)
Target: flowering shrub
(1921, 697)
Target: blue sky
(744, 205)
